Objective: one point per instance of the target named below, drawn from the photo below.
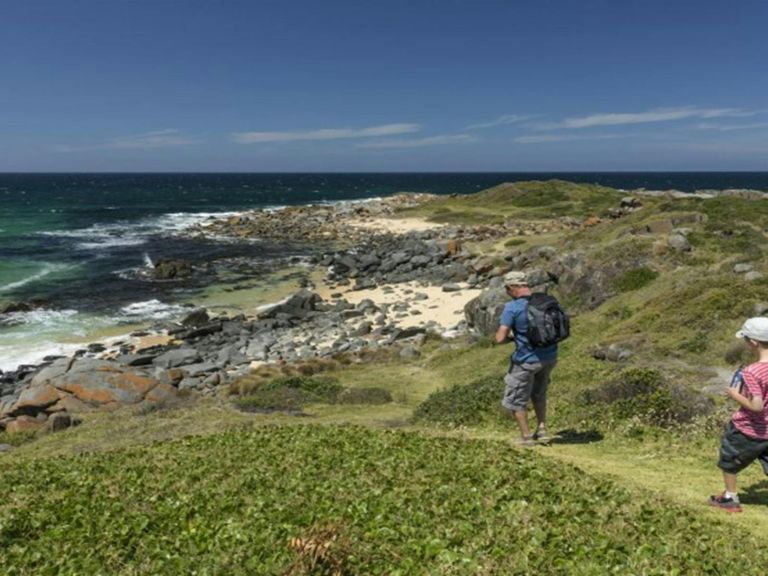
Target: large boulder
(107, 389)
(37, 398)
(25, 306)
(87, 384)
(171, 269)
(298, 305)
(483, 312)
(586, 283)
(177, 357)
(679, 243)
(197, 317)
(24, 424)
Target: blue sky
(419, 85)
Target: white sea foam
(180, 221)
(151, 310)
(13, 356)
(135, 233)
(110, 243)
(47, 268)
(33, 335)
(352, 201)
(41, 317)
(100, 236)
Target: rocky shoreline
(202, 354)
(347, 312)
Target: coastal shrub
(280, 400)
(644, 395)
(697, 342)
(463, 404)
(18, 438)
(314, 366)
(289, 393)
(635, 279)
(247, 384)
(269, 500)
(310, 388)
(292, 393)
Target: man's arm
(506, 322)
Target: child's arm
(753, 403)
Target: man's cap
(755, 329)
(515, 278)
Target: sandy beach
(393, 225)
(427, 304)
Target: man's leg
(521, 416)
(517, 394)
(540, 408)
(539, 397)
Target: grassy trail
(670, 473)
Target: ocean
(79, 242)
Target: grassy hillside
(314, 500)
(208, 488)
(521, 200)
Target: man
(530, 367)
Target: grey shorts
(738, 451)
(526, 382)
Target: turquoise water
(80, 241)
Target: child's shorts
(737, 451)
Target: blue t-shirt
(515, 318)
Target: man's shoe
(526, 441)
(542, 437)
(727, 504)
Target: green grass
(533, 200)
(635, 278)
(262, 501)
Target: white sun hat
(755, 328)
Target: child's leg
(730, 482)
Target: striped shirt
(754, 424)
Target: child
(746, 437)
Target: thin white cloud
(156, 139)
(500, 121)
(545, 138)
(419, 142)
(654, 115)
(730, 127)
(326, 134)
(720, 147)
(167, 138)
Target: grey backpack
(547, 322)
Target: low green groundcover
(344, 500)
